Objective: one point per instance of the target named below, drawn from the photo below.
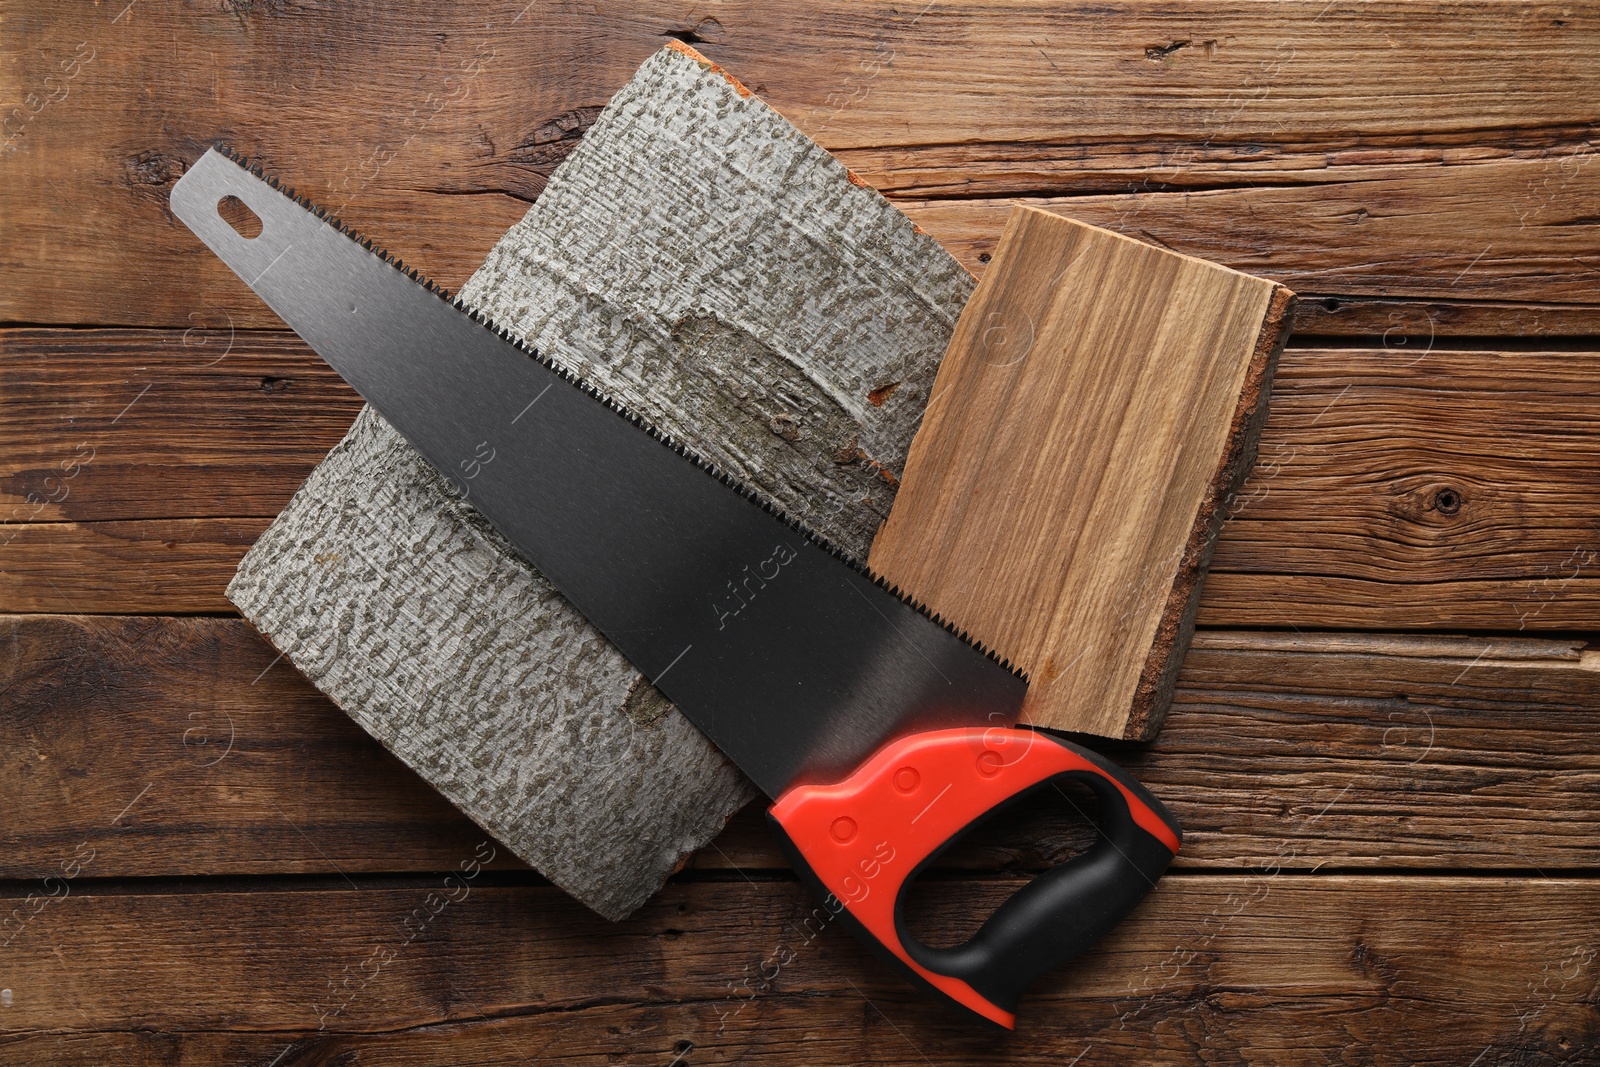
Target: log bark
(720, 275)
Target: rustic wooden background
(1384, 744)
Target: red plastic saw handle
(861, 840)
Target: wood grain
(1325, 750)
(1097, 407)
(1397, 488)
(187, 746)
(180, 565)
(207, 422)
(1427, 153)
(1269, 968)
(1369, 237)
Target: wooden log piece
(704, 263)
(1099, 404)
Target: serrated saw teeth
(642, 423)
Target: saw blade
(794, 660)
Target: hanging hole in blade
(942, 907)
(237, 213)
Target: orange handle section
(862, 840)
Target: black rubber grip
(1065, 910)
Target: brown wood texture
(1270, 967)
(136, 424)
(1425, 166)
(1392, 836)
(1096, 410)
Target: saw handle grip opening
(862, 840)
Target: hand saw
(881, 733)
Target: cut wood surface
(1430, 152)
(186, 746)
(1097, 408)
(1270, 968)
(1399, 487)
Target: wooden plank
(1097, 408)
(1420, 324)
(172, 565)
(1380, 716)
(1338, 526)
(1337, 750)
(1564, 597)
(179, 565)
(1280, 94)
(1368, 154)
(1328, 750)
(1530, 228)
(207, 422)
(1396, 488)
(186, 746)
(1276, 966)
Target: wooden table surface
(1384, 744)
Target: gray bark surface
(704, 263)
